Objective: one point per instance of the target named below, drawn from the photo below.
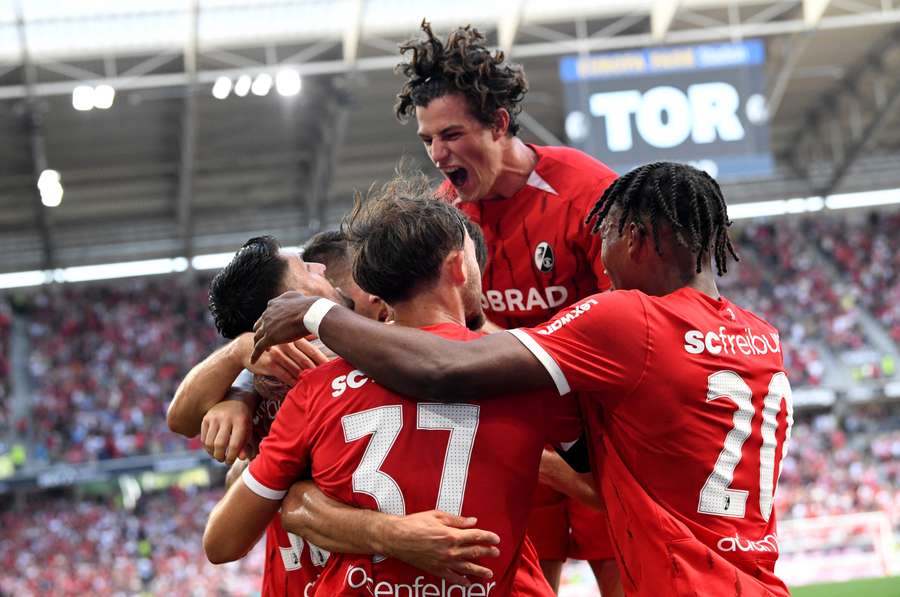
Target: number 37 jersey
(370, 447)
(695, 420)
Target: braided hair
(688, 199)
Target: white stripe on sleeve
(559, 378)
(260, 489)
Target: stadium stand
(105, 359)
(5, 329)
(869, 255)
(93, 546)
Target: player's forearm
(205, 386)
(332, 525)
(563, 478)
(234, 473)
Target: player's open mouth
(457, 177)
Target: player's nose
(439, 153)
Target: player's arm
(434, 541)
(407, 360)
(234, 473)
(205, 385)
(208, 382)
(557, 473)
(236, 523)
(240, 517)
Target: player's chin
(475, 321)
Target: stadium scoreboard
(703, 104)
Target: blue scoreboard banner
(701, 104)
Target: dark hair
(477, 237)
(239, 293)
(331, 249)
(461, 65)
(689, 199)
(400, 235)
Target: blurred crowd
(5, 329)
(843, 465)
(869, 256)
(105, 360)
(66, 546)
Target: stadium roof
(169, 171)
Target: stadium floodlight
(221, 88)
(211, 261)
(242, 87)
(287, 82)
(126, 269)
(778, 207)
(22, 279)
(104, 96)
(50, 188)
(83, 98)
(864, 199)
(262, 85)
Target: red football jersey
(372, 448)
(695, 421)
(541, 256)
(291, 564)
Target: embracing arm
(236, 523)
(407, 360)
(208, 382)
(434, 541)
(204, 386)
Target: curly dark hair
(462, 65)
(687, 199)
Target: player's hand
(284, 362)
(442, 544)
(225, 430)
(281, 322)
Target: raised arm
(434, 541)
(205, 385)
(208, 382)
(407, 360)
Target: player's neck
(430, 308)
(667, 281)
(517, 164)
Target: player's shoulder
(756, 320)
(322, 376)
(566, 166)
(612, 307)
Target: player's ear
(455, 267)
(636, 239)
(501, 124)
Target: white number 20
(384, 424)
(717, 497)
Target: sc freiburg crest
(543, 257)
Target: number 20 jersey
(695, 418)
(369, 447)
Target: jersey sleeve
(598, 345)
(284, 453)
